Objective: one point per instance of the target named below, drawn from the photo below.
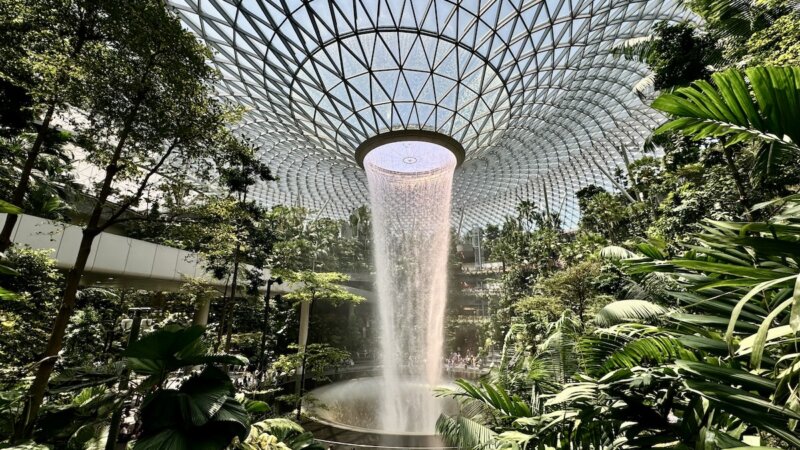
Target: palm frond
(639, 49)
(494, 396)
(629, 311)
(278, 426)
(645, 86)
(9, 208)
(730, 17)
(648, 351)
(616, 253)
(466, 433)
(727, 109)
(558, 353)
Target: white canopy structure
(528, 87)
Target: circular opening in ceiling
(410, 157)
(410, 151)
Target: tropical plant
(577, 287)
(159, 354)
(46, 59)
(318, 358)
(201, 414)
(763, 107)
(677, 54)
(732, 23)
(278, 434)
(707, 362)
(240, 169)
(25, 315)
(777, 45)
(51, 183)
(81, 422)
(482, 408)
(204, 411)
(150, 109)
(6, 270)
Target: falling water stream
(410, 187)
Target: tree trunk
(116, 417)
(264, 331)
(223, 319)
(56, 340)
(201, 313)
(235, 281)
(302, 378)
(737, 179)
(18, 196)
(232, 299)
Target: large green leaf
(750, 408)
(616, 253)
(202, 414)
(777, 90)
(91, 407)
(5, 294)
(739, 400)
(728, 375)
(278, 426)
(734, 321)
(629, 311)
(575, 392)
(727, 109)
(495, 396)
(709, 345)
(770, 246)
(712, 302)
(163, 349)
(171, 348)
(465, 433)
(721, 323)
(794, 317)
(726, 269)
(9, 208)
(206, 393)
(773, 334)
(647, 351)
(761, 336)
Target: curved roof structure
(528, 87)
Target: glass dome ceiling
(528, 87)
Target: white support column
(302, 339)
(201, 312)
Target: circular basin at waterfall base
(356, 405)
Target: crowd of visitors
(456, 360)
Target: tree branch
(125, 206)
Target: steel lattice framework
(529, 87)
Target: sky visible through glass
(529, 88)
(410, 157)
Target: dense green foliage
(136, 91)
(668, 319)
(689, 338)
(24, 320)
(700, 353)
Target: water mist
(410, 185)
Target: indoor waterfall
(410, 185)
